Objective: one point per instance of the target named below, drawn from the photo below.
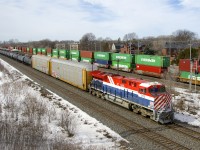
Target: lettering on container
(121, 57)
(148, 60)
(121, 66)
(74, 53)
(100, 55)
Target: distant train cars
(140, 64)
(184, 71)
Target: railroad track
(191, 133)
(130, 127)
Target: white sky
(28, 20)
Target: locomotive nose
(162, 101)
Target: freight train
(148, 98)
(150, 65)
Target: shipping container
(75, 73)
(152, 60)
(64, 54)
(41, 63)
(34, 51)
(39, 51)
(24, 49)
(102, 56)
(150, 70)
(185, 77)
(121, 65)
(102, 63)
(55, 53)
(184, 65)
(74, 53)
(49, 50)
(75, 58)
(27, 49)
(122, 57)
(31, 50)
(86, 54)
(89, 60)
(44, 51)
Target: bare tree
(87, 42)
(184, 35)
(130, 37)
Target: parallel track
(130, 126)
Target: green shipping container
(122, 57)
(102, 55)
(186, 75)
(49, 54)
(39, 50)
(28, 49)
(75, 58)
(55, 53)
(89, 60)
(44, 51)
(74, 53)
(125, 66)
(64, 54)
(34, 51)
(152, 60)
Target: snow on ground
(187, 106)
(83, 128)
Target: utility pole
(190, 85)
(138, 47)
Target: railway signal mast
(191, 63)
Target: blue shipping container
(102, 63)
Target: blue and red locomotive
(148, 98)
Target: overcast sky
(28, 20)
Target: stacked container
(24, 49)
(151, 65)
(34, 51)
(184, 65)
(102, 59)
(184, 68)
(39, 51)
(31, 50)
(123, 62)
(55, 53)
(64, 54)
(49, 52)
(27, 49)
(75, 55)
(44, 51)
(87, 56)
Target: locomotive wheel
(130, 107)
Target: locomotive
(148, 98)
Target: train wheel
(130, 107)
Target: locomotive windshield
(157, 90)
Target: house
(132, 48)
(115, 48)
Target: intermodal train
(148, 98)
(150, 65)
